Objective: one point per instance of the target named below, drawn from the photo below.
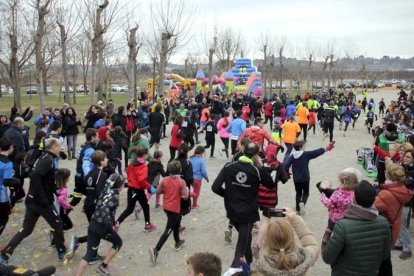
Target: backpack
(130, 124)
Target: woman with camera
(283, 256)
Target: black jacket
(70, 125)
(156, 120)
(211, 131)
(155, 169)
(241, 181)
(42, 181)
(119, 120)
(15, 134)
(95, 182)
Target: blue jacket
(236, 127)
(299, 161)
(199, 168)
(99, 123)
(290, 110)
(6, 173)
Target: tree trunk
(63, 38)
(325, 65)
(309, 84)
(264, 73)
(14, 71)
(330, 71)
(132, 60)
(281, 70)
(210, 69)
(74, 82)
(100, 76)
(42, 11)
(165, 37)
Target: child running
(102, 226)
(62, 179)
(174, 189)
(137, 184)
(155, 170)
(199, 172)
(211, 131)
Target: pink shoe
(150, 227)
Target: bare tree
(132, 60)
(266, 47)
(310, 56)
(170, 29)
(229, 46)
(281, 45)
(16, 22)
(43, 8)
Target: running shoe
(227, 235)
(302, 208)
(150, 227)
(405, 255)
(62, 256)
(103, 270)
(179, 245)
(153, 255)
(95, 259)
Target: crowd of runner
(122, 149)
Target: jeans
(302, 193)
(173, 225)
(404, 235)
(71, 141)
(243, 246)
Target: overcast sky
(375, 27)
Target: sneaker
(302, 208)
(153, 255)
(179, 245)
(150, 227)
(397, 248)
(62, 256)
(103, 270)
(95, 259)
(227, 235)
(405, 255)
(157, 205)
(73, 245)
(116, 227)
(4, 258)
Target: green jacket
(359, 243)
(140, 143)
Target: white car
(80, 88)
(70, 89)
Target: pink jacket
(63, 198)
(221, 129)
(337, 203)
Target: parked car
(70, 89)
(31, 89)
(345, 85)
(118, 88)
(6, 90)
(402, 85)
(49, 89)
(81, 89)
(388, 84)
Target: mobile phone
(276, 212)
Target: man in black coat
(39, 202)
(241, 181)
(15, 134)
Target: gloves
(152, 190)
(330, 146)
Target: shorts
(203, 124)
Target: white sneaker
(302, 208)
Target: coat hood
(358, 212)
(266, 264)
(398, 190)
(297, 153)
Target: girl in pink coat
(62, 179)
(222, 125)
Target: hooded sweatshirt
(138, 174)
(299, 160)
(257, 135)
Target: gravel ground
(205, 226)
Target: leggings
(312, 126)
(226, 145)
(135, 195)
(196, 191)
(270, 119)
(233, 146)
(304, 128)
(33, 212)
(4, 215)
(64, 216)
(302, 193)
(211, 143)
(328, 126)
(243, 246)
(173, 225)
(172, 153)
(96, 232)
(189, 140)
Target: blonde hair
(407, 146)
(395, 172)
(396, 147)
(281, 238)
(349, 178)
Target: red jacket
(176, 139)
(268, 109)
(382, 154)
(390, 203)
(257, 135)
(312, 118)
(137, 175)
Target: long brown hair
(225, 119)
(281, 239)
(62, 176)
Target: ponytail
(225, 119)
(284, 261)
